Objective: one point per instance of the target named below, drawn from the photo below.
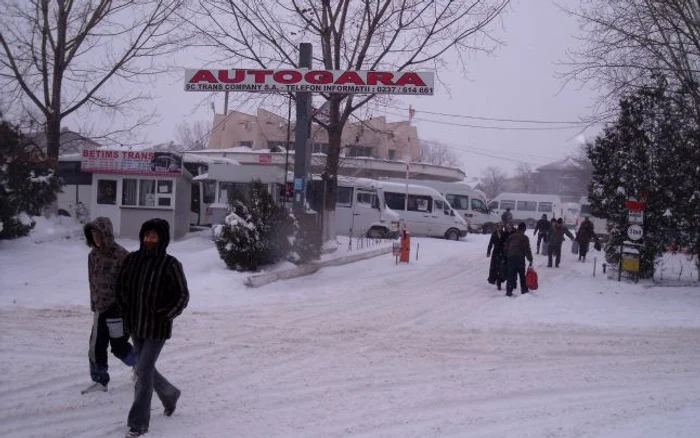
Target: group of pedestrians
(509, 248)
(136, 295)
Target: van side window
(423, 204)
(507, 204)
(439, 205)
(458, 202)
(545, 207)
(343, 196)
(368, 198)
(527, 205)
(395, 201)
(478, 205)
(493, 205)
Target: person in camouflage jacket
(104, 264)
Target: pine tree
(652, 150)
(27, 183)
(256, 232)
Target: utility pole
(286, 146)
(301, 145)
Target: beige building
(375, 138)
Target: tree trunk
(53, 137)
(331, 171)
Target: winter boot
(95, 387)
(133, 433)
(169, 411)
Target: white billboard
(316, 81)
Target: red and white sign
(131, 162)
(265, 159)
(316, 81)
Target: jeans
(99, 340)
(516, 267)
(554, 250)
(148, 379)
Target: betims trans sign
(315, 81)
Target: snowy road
(376, 350)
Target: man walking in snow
(153, 290)
(104, 263)
(543, 227)
(517, 250)
(507, 217)
(556, 239)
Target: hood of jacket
(103, 226)
(160, 226)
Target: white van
(426, 212)
(469, 202)
(572, 212)
(361, 210)
(527, 207)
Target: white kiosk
(131, 187)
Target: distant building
(374, 138)
(558, 178)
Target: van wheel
(487, 228)
(377, 233)
(452, 234)
(62, 212)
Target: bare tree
(627, 43)
(435, 152)
(390, 35)
(493, 181)
(193, 136)
(525, 178)
(59, 55)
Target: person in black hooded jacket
(495, 251)
(153, 291)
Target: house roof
(565, 164)
(71, 142)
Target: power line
(494, 119)
(496, 128)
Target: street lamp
(286, 158)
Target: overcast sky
(518, 81)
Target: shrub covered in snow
(27, 183)
(256, 231)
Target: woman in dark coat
(496, 252)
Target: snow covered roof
(565, 164)
(190, 157)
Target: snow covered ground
(369, 349)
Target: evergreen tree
(27, 182)
(256, 232)
(652, 151)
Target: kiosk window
(107, 192)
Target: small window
(209, 195)
(493, 205)
(147, 193)
(392, 154)
(458, 202)
(479, 206)
(107, 192)
(395, 201)
(545, 207)
(367, 198)
(343, 196)
(165, 187)
(164, 202)
(507, 204)
(420, 203)
(129, 191)
(527, 206)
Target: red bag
(531, 278)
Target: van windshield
(585, 210)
